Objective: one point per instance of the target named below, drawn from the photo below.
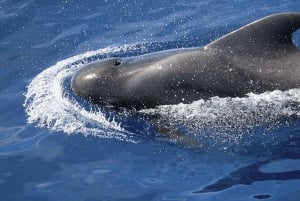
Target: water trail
(252, 110)
(49, 104)
(225, 122)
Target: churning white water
(49, 104)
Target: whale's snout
(96, 81)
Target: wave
(225, 122)
(251, 110)
(50, 103)
(18, 139)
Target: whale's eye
(117, 62)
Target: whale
(257, 57)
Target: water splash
(225, 122)
(49, 104)
(252, 110)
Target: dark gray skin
(256, 58)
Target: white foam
(258, 108)
(228, 120)
(48, 104)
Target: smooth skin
(256, 58)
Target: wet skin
(256, 58)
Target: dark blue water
(55, 146)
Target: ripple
(261, 197)
(18, 139)
(283, 165)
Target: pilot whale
(255, 58)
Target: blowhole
(117, 62)
(296, 38)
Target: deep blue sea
(55, 146)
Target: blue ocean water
(55, 146)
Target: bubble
(49, 103)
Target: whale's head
(139, 82)
(98, 81)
